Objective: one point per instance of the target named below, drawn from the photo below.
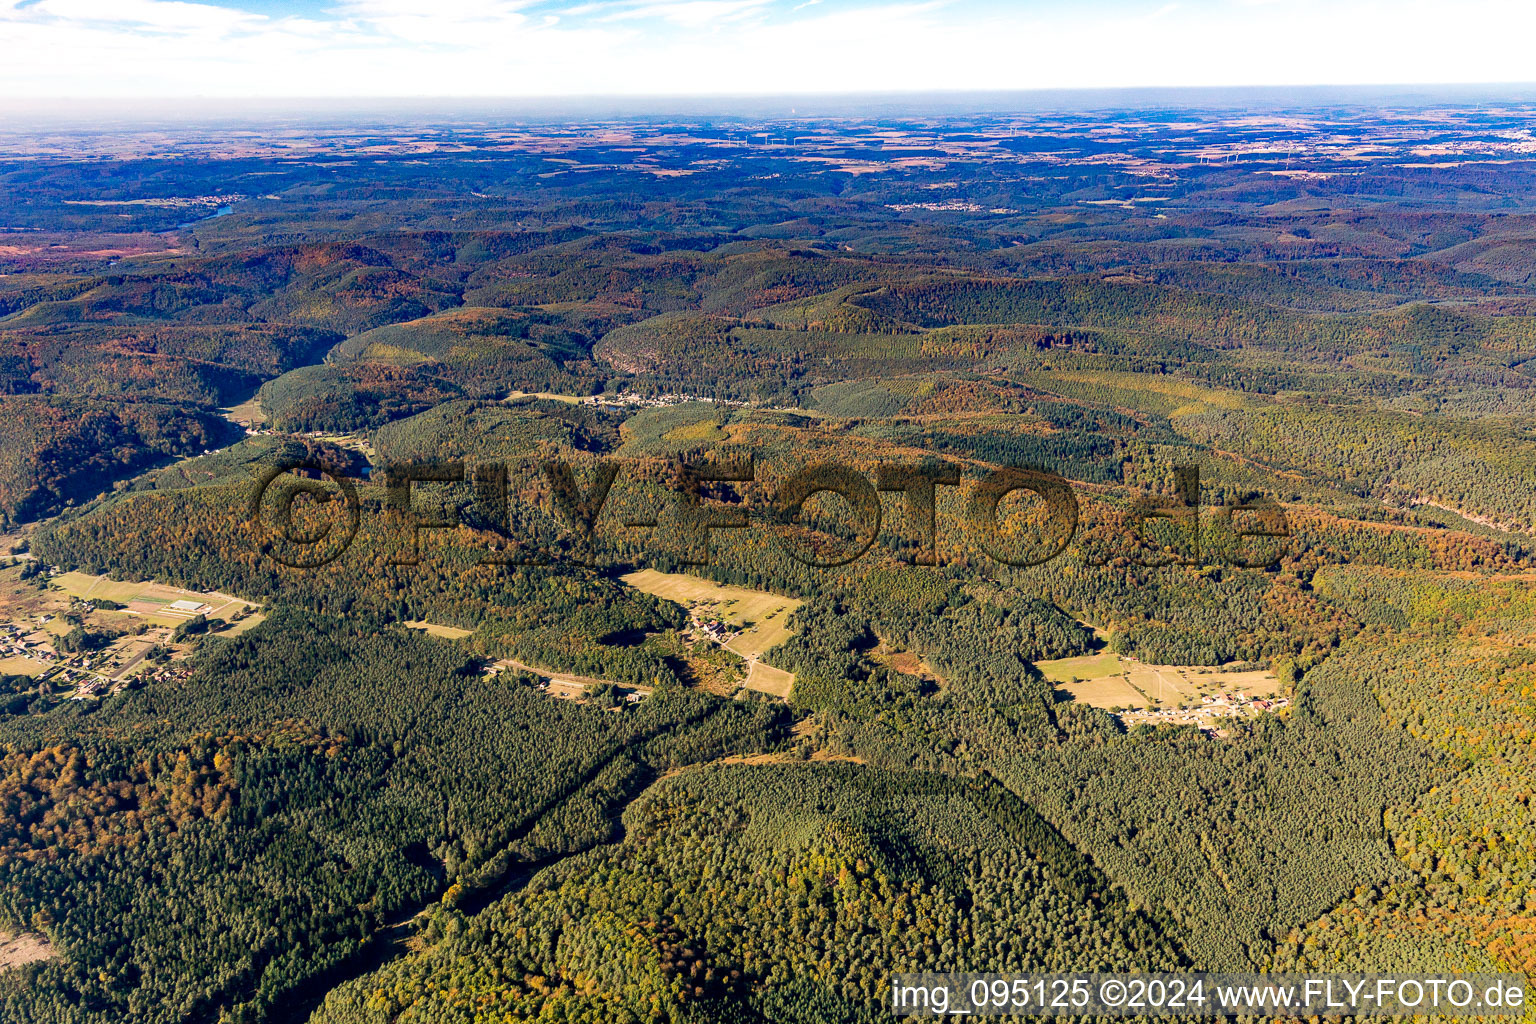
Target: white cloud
(456, 9)
(582, 10)
(690, 13)
(438, 22)
(511, 47)
(152, 15)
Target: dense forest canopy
(530, 743)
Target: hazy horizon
(297, 48)
(1259, 98)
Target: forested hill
(492, 770)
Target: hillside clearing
(1164, 694)
(754, 621)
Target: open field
(247, 414)
(245, 625)
(26, 948)
(908, 663)
(1172, 684)
(765, 616)
(37, 614)
(359, 443)
(1087, 667)
(153, 601)
(434, 629)
(1096, 679)
(1107, 692)
(20, 667)
(767, 679)
(565, 685)
(547, 396)
(1175, 694)
(762, 620)
(81, 585)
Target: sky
(496, 48)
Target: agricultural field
(767, 679)
(1164, 694)
(157, 603)
(759, 621)
(88, 635)
(1099, 680)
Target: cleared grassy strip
(437, 630)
